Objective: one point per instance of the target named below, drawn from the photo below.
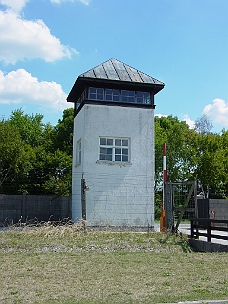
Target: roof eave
(81, 82)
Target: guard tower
(113, 148)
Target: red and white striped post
(162, 218)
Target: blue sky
(46, 44)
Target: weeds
(65, 263)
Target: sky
(46, 44)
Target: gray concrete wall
(28, 207)
(218, 209)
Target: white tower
(114, 146)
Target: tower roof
(114, 69)
(114, 73)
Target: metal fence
(24, 208)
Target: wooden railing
(199, 225)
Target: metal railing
(199, 225)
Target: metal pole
(162, 218)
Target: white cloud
(217, 111)
(22, 39)
(20, 87)
(188, 121)
(86, 2)
(15, 5)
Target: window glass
(78, 152)
(117, 157)
(102, 156)
(116, 92)
(116, 95)
(125, 152)
(108, 91)
(118, 142)
(125, 142)
(109, 142)
(102, 141)
(109, 150)
(124, 158)
(100, 94)
(116, 98)
(108, 94)
(109, 157)
(147, 98)
(131, 99)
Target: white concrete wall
(119, 194)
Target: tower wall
(121, 194)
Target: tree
(64, 132)
(203, 125)
(212, 165)
(29, 159)
(180, 149)
(30, 127)
(14, 158)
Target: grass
(63, 264)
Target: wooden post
(209, 231)
(83, 199)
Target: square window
(111, 149)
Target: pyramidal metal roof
(114, 69)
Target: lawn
(63, 264)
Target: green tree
(30, 127)
(211, 169)
(64, 132)
(14, 158)
(29, 159)
(180, 149)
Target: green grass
(65, 265)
